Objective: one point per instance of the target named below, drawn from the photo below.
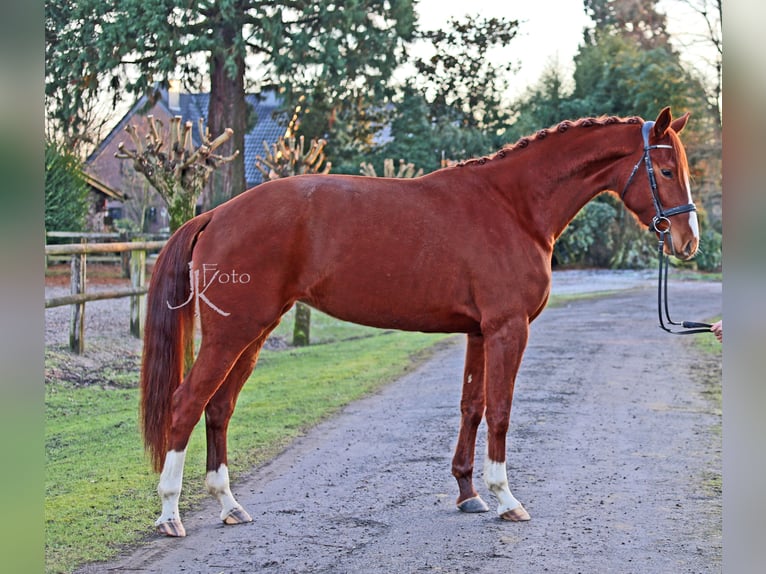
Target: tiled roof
(267, 128)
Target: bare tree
(177, 170)
(706, 40)
(405, 170)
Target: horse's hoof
(518, 514)
(172, 527)
(237, 515)
(475, 504)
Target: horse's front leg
(217, 415)
(471, 411)
(503, 350)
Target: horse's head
(659, 195)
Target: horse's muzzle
(687, 252)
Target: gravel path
(611, 449)
(111, 353)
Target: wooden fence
(78, 275)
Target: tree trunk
(182, 209)
(302, 329)
(227, 109)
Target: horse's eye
(666, 173)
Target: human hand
(717, 329)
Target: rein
(661, 225)
(690, 327)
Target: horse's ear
(662, 123)
(679, 123)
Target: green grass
(100, 492)
(324, 329)
(708, 344)
(707, 371)
(695, 275)
(559, 300)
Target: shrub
(66, 192)
(587, 241)
(708, 257)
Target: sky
(549, 31)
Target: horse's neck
(569, 170)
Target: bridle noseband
(662, 216)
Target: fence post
(125, 255)
(137, 302)
(77, 325)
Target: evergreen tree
(636, 20)
(544, 104)
(413, 136)
(615, 76)
(452, 108)
(461, 84)
(126, 47)
(66, 192)
(625, 66)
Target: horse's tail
(167, 334)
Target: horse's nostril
(691, 248)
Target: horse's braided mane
(559, 128)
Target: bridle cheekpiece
(662, 215)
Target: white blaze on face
(693, 222)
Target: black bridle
(661, 225)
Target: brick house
(132, 197)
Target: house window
(115, 213)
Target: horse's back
(394, 253)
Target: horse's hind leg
(472, 411)
(208, 373)
(504, 349)
(218, 412)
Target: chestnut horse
(466, 249)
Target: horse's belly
(398, 310)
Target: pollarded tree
(288, 156)
(173, 166)
(124, 47)
(403, 170)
